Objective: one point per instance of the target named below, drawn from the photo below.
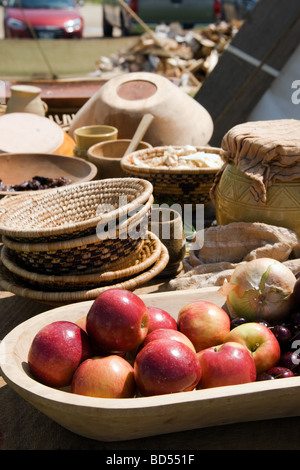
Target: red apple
(260, 341)
(104, 377)
(166, 333)
(227, 364)
(56, 351)
(204, 323)
(166, 366)
(117, 320)
(159, 318)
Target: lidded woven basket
(72, 211)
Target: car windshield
(53, 4)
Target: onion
(260, 289)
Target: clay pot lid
(26, 132)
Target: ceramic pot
(107, 156)
(87, 136)
(167, 225)
(124, 100)
(26, 99)
(235, 203)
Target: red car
(42, 19)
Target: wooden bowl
(132, 418)
(18, 167)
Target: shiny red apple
(56, 351)
(104, 377)
(167, 333)
(204, 323)
(226, 364)
(166, 366)
(159, 318)
(260, 341)
(117, 320)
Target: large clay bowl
(124, 100)
(18, 167)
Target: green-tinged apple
(167, 333)
(117, 321)
(166, 366)
(104, 377)
(260, 341)
(204, 323)
(159, 318)
(226, 364)
(56, 351)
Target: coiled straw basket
(184, 186)
(71, 211)
(115, 248)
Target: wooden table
(22, 427)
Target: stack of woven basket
(69, 244)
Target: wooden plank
(249, 65)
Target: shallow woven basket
(115, 249)
(10, 283)
(71, 211)
(185, 186)
(148, 255)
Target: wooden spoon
(139, 133)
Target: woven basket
(117, 248)
(184, 186)
(148, 255)
(10, 283)
(71, 211)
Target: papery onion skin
(260, 289)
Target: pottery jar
(167, 225)
(261, 179)
(234, 201)
(26, 99)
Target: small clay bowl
(106, 156)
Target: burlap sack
(264, 151)
(227, 246)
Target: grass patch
(63, 58)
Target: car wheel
(107, 27)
